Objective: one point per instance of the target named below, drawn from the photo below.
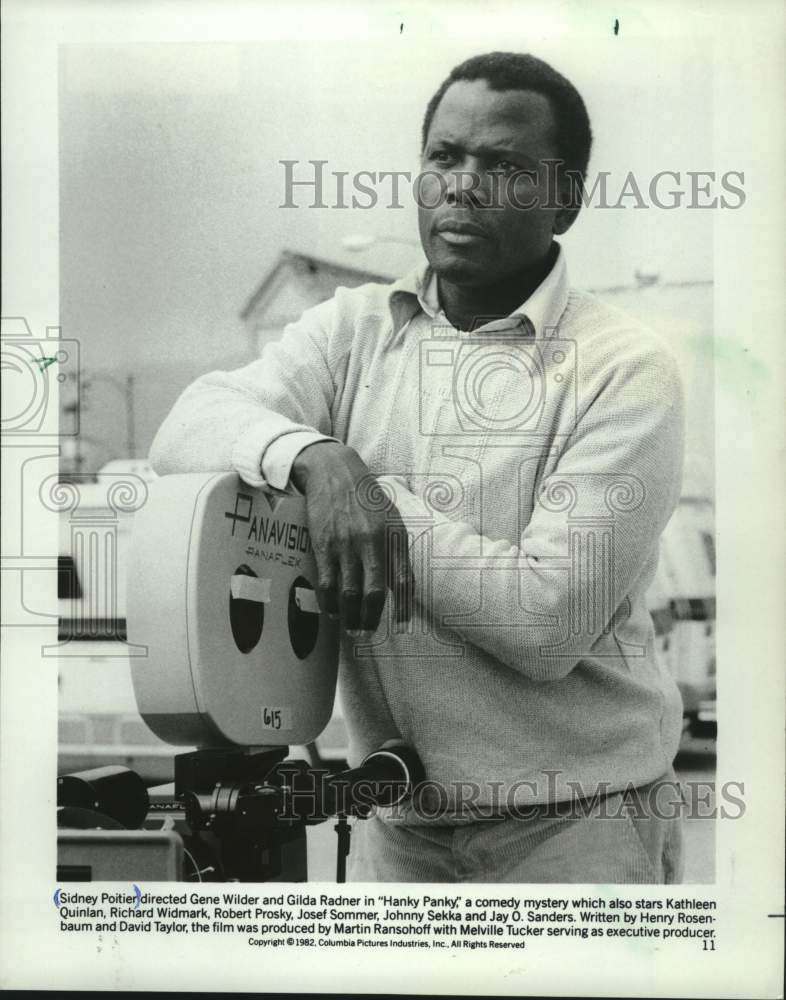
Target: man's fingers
(358, 558)
(351, 594)
(374, 589)
(327, 585)
(373, 606)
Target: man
(529, 442)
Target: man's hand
(361, 548)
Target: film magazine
(392, 446)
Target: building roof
(301, 279)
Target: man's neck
(468, 307)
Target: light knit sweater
(535, 462)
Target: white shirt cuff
(261, 451)
(280, 454)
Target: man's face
(495, 141)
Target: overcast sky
(171, 185)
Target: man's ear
(570, 200)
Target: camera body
(221, 592)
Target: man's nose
(467, 184)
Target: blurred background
(177, 258)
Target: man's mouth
(460, 233)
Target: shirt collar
(541, 312)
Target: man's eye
(441, 156)
(505, 165)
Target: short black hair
(519, 71)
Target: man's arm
(235, 420)
(546, 595)
(271, 422)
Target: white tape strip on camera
(250, 588)
(306, 600)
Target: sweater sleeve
(228, 420)
(540, 606)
